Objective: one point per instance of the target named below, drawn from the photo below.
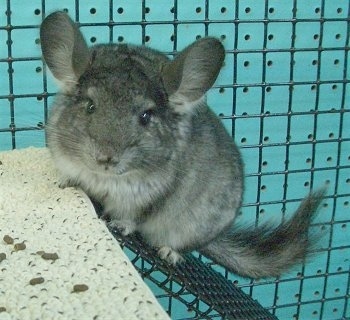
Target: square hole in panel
(224, 32)
(334, 34)
(272, 187)
(310, 311)
(304, 98)
(247, 131)
(95, 35)
(250, 159)
(27, 77)
(300, 157)
(191, 10)
(188, 33)
(278, 67)
(127, 34)
(28, 112)
(276, 99)
(335, 286)
(94, 11)
(160, 37)
(288, 292)
(4, 80)
(66, 5)
(344, 183)
(251, 10)
(273, 159)
(305, 66)
(279, 35)
(317, 263)
(287, 312)
(301, 128)
(5, 141)
(332, 65)
(127, 10)
(270, 213)
(220, 101)
(249, 68)
(345, 153)
(221, 10)
(325, 178)
(336, 9)
(312, 289)
(25, 43)
(275, 129)
(159, 10)
(330, 96)
(265, 294)
(250, 36)
(339, 260)
(308, 10)
(326, 155)
(298, 185)
(328, 126)
(25, 12)
(334, 309)
(343, 205)
(280, 10)
(307, 35)
(3, 44)
(30, 138)
(248, 101)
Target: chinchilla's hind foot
(170, 255)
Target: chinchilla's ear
(64, 48)
(192, 73)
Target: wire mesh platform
(213, 296)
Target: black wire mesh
(314, 139)
(218, 297)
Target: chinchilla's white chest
(121, 195)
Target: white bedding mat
(35, 212)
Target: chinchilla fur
(132, 129)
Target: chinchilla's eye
(145, 117)
(90, 107)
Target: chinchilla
(131, 128)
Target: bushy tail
(266, 251)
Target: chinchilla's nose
(107, 157)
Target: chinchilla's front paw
(170, 255)
(125, 227)
(65, 183)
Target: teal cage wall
(283, 93)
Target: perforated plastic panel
(284, 94)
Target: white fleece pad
(79, 250)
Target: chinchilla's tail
(266, 251)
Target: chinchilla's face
(117, 114)
(122, 107)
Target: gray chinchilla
(132, 129)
